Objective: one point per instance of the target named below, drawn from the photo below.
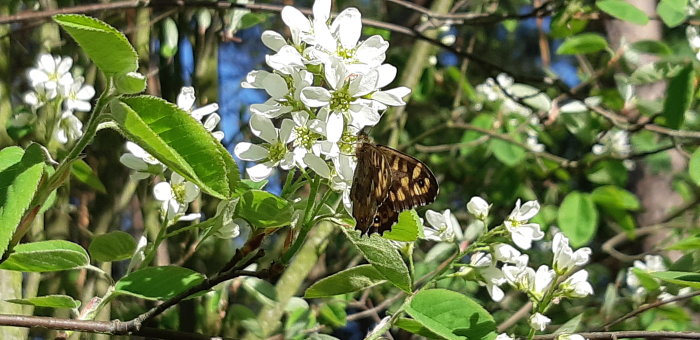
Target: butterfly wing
(370, 185)
(413, 184)
(384, 219)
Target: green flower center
(179, 191)
(306, 137)
(277, 151)
(340, 100)
(347, 143)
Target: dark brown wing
(383, 220)
(413, 184)
(370, 185)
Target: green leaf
(113, 246)
(653, 72)
(46, 256)
(679, 96)
(506, 152)
(83, 172)
(656, 47)
(689, 243)
(688, 279)
(672, 12)
(415, 327)
(624, 11)
(615, 197)
(571, 326)
(578, 218)
(250, 184)
(406, 229)
(262, 290)
(251, 19)
(383, 256)
(20, 174)
(333, 314)
(694, 167)
(608, 172)
(130, 83)
(645, 279)
(51, 301)
(583, 44)
(107, 47)
(158, 283)
(346, 281)
(168, 45)
(179, 141)
(451, 315)
(264, 210)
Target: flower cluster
(502, 263)
(324, 87)
(52, 82)
(651, 264)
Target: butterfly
(386, 182)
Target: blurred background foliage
(612, 166)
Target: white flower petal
(162, 191)
(317, 165)
(315, 96)
(186, 98)
(273, 40)
(263, 128)
(250, 152)
(259, 172)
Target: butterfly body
(386, 182)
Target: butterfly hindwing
(386, 182)
(370, 186)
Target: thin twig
(646, 308)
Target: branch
(106, 327)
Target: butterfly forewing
(370, 185)
(385, 183)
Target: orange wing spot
(417, 171)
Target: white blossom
(576, 285)
(76, 95)
(565, 258)
(141, 161)
(69, 128)
(272, 153)
(175, 196)
(478, 207)
(539, 322)
(51, 71)
(443, 226)
(522, 232)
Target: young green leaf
(688, 279)
(346, 281)
(624, 11)
(106, 46)
(113, 246)
(656, 47)
(168, 46)
(46, 256)
(451, 315)
(679, 96)
(180, 142)
(264, 210)
(83, 172)
(672, 12)
(406, 228)
(506, 152)
(20, 174)
(583, 44)
(51, 301)
(415, 327)
(383, 256)
(578, 218)
(158, 283)
(333, 314)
